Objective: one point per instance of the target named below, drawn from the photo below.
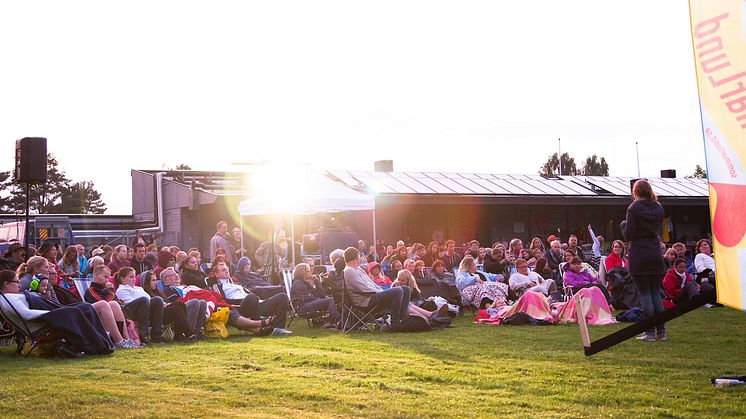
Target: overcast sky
(434, 86)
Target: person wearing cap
(13, 257)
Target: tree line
(59, 195)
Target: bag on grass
(215, 325)
(414, 324)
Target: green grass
(468, 370)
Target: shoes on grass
(645, 337)
(280, 331)
(127, 344)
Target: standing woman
(640, 229)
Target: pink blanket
(532, 303)
(597, 311)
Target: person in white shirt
(703, 259)
(271, 312)
(525, 280)
(147, 312)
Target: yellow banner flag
(719, 42)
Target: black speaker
(670, 173)
(31, 160)
(331, 240)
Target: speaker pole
(28, 226)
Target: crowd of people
(136, 290)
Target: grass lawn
(467, 370)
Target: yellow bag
(215, 325)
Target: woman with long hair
(174, 311)
(617, 257)
(480, 289)
(641, 229)
(69, 262)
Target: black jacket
(302, 292)
(641, 230)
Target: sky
(481, 86)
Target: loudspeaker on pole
(31, 160)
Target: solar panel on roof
(474, 187)
(391, 182)
(416, 185)
(435, 185)
(453, 185)
(492, 186)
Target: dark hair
(541, 263)
(138, 245)
(45, 247)
(121, 273)
(145, 284)
(351, 254)
(678, 260)
(574, 260)
(6, 275)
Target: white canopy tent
(311, 193)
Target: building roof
(437, 183)
(451, 183)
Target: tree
(699, 173)
(80, 198)
(44, 197)
(595, 167)
(182, 166)
(5, 198)
(551, 167)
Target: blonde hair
(404, 277)
(466, 264)
(300, 270)
(31, 265)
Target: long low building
(418, 206)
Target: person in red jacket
(678, 285)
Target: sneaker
(708, 305)
(442, 311)
(127, 344)
(281, 331)
(661, 336)
(646, 337)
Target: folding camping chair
(21, 330)
(314, 318)
(354, 317)
(82, 285)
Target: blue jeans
(322, 304)
(148, 314)
(395, 301)
(650, 293)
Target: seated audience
(139, 311)
(119, 259)
(196, 309)
(617, 258)
(432, 254)
(450, 257)
(255, 283)
(525, 280)
(406, 278)
(678, 285)
(576, 277)
(174, 311)
(79, 325)
(364, 293)
(375, 274)
(308, 295)
(250, 305)
(479, 289)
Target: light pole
(637, 148)
(559, 154)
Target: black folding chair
(359, 318)
(22, 333)
(314, 318)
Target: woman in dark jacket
(191, 274)
(640, 229)
(308, 295)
